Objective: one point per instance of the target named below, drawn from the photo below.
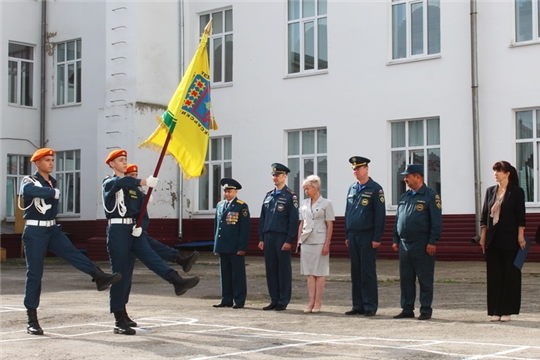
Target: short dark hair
(506, 167)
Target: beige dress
(313, 236)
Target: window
(20, 75)
(306, 155)
(18, 166)
(68, 72)
(527, 151)
(220, 45)
(416, 28)
(527, 20)
(218, 165)
(68, 175)
(307, 36)
(415, 142)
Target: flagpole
(207, 30)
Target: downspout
(42, 79)
(475, 120)
(178, 172)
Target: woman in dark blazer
(503, 225)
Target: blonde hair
(313, 180)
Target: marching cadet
(42, 233)
(122, 200)
(231, 228)
(278, 226)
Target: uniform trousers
(37, 240)
(122, 248)
(363, 271)
(503, 282)
(165, 252)
(278, 268)
(233, 278)
(415, 262)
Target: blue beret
(413, 169)
(229, 183)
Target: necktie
(227, 205)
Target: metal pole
(42, 77)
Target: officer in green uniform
(278, 227)
(231, 228)
(417, 229)
(365, 216)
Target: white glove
(137, 231)
(56, 194)
(151, 181)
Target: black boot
(129, 322)
(103, 280)
(121, 326)
(33, 324)
(182, 285)
(188, 261)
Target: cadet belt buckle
(121, 221)
(45, 223)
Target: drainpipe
(475, 120)
(42, 80)
(178, 172)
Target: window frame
(222, 36)
(63, 171)
(20, 88)
(213, 188)
(299, 170)
(302, 20)
(76, 62)
(535, 145)
(396, 179)
(425, 55)
(535, 24)
(18, 177)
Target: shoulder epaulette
(240, 201)
(289, 190)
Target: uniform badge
(245, 212)
(280, 207)
(365, 201)
(438, 201)
(232, 218)
(419, 207)
(381, 195)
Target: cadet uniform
(122, 199)
(418, 223)
(231, 228)
(278, 225)
(41, 233)
(365, 216)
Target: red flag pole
(156, 172)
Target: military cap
(114, 154)
(357, 161)
(132, 168)
(278, 168)
(229, 183)
(413, 169)
(41, 153)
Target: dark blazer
(232, 227)
(511, 217)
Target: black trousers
(503, 282)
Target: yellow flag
(188, 117)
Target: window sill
(221, 85)
(413, 59)
(524, 43)
(22, 106)
(68, 216)
(306, 73)
(66, 105)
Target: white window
(415, 142)
(307, 155)
(218, 165)
(220, 45)
(527, 20)
(68, 72)
(20, 75)
(527, 152)
(68, 175)
(416, 28)
(307, 36)
(18, 166)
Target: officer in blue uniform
(231, 228)
(365, 216)
(278, 227)
(417, 229)
(122, 200)
(41, 233)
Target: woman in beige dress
(314, 237)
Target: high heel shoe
(505, 318)
(316, 310)
(307, 310)
(495, 318)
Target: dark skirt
(503, 282)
